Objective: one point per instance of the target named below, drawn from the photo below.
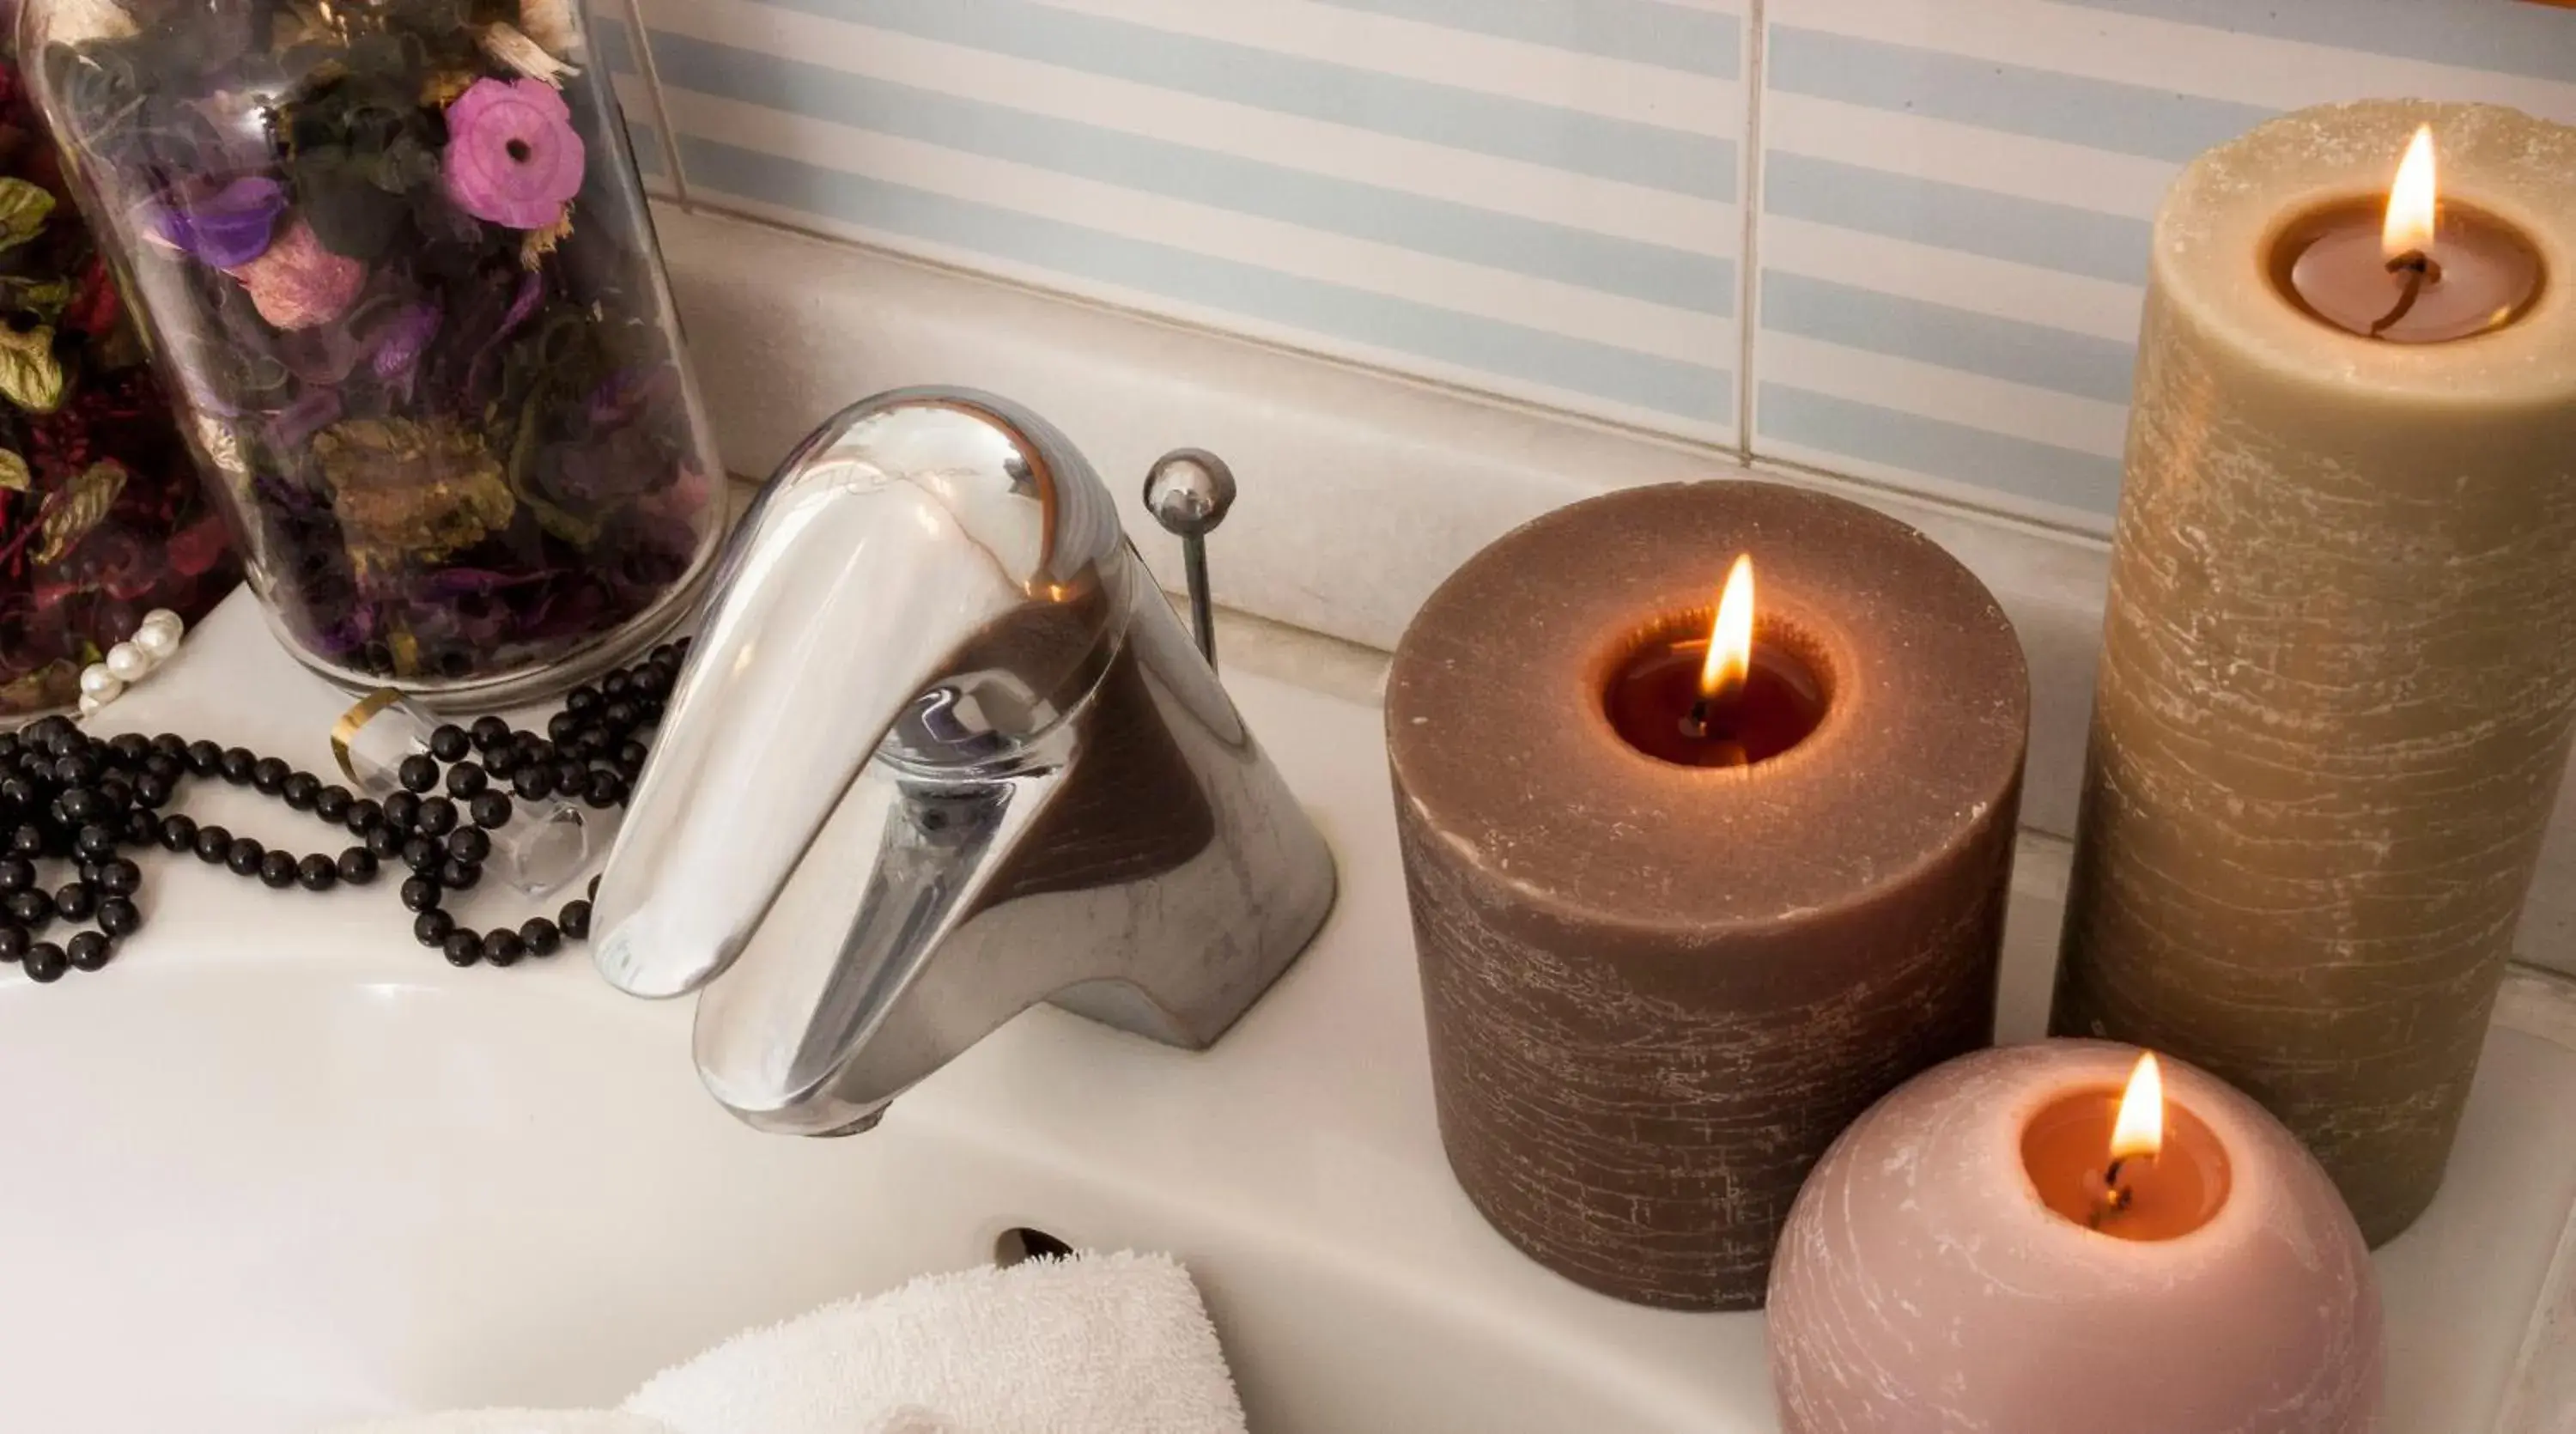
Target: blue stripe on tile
(1647, 32)
(1580, 366)
(1954, 216)
(2100, 114)
(2043, 472)
(2481, 34)
(1658, 274)
(616, 44)
(646, 141)
(1643, 154)
(2008, 349)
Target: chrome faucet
(942, 752)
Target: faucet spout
(941, 753)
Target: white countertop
(1305, 1139)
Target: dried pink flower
(298, 284)
(512, 156)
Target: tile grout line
(1748, 270)
(661, 107)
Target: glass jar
(101, 516)
(394, 260)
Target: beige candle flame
(1730, 635)
(2139, 1133)
(2413, 201)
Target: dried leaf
(293, 25)
(30, 376)
(578, 531)
(121, 349)
(77, 507)
(510, 48)
(23, 208)
(13, 472)
(45, 298)
(81, 22)
(553, 24)
(536, 244)
(441, 87)
(404, 490)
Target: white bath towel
(511, 1421)
(1096, 1344)
(908, 1420)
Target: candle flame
(1730, 635)
(2139, 1134)
(2412, 201)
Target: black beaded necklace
(66, 795)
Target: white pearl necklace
(155, 641)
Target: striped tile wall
(1545, 199)
(1956, 196)
(1534, 197)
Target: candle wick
(1710, 712)
(2116, 1197)
(2419, 269)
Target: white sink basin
(278, 1167)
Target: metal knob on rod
(1188, 490)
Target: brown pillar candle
(1676, 933)
(2339, 667)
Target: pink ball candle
(2003, 1246)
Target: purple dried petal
(227, 228)
(630, 391)
(316, 410)
(400, 340)
(531, 289)
(322, 355)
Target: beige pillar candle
(2340, 661)
(1958, 1263)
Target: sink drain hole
(1021, 1243)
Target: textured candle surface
(1655, 993)
(1922, 1285)
(2340, 659)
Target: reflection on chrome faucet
(942, 752)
